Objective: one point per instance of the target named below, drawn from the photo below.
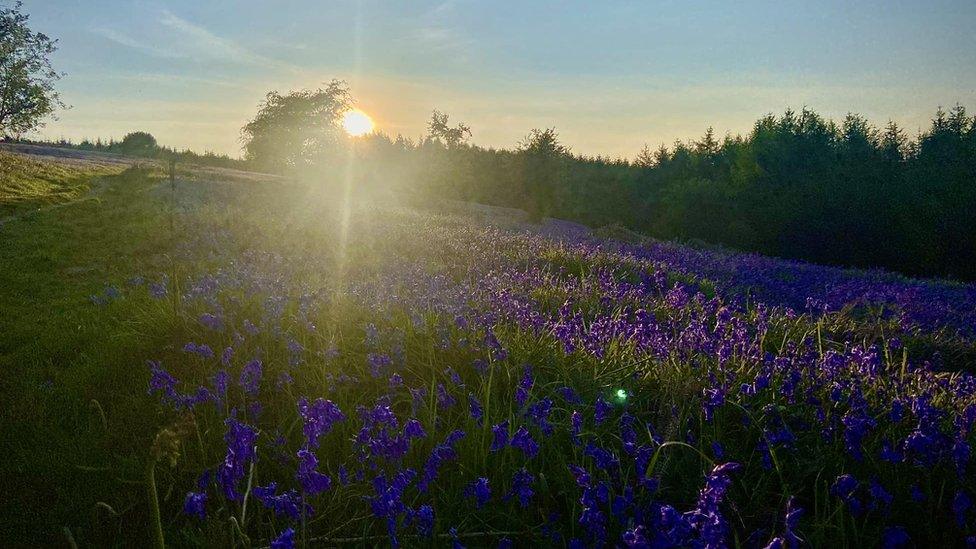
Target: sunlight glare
(357, 123)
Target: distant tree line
(797, 186)
(142, 144)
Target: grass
(69, 375)
(26, 182)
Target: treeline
(143, 145)
(797, 186)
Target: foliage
(139, 144)
(27, 79)
(439, 130)
(796, 186)
(292, 131)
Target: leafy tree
(438, 130)
(297, 130)
(27, 79)
(138, 144)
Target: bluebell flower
(521, 487)
(414, 429)
(318, 418)
(895, 537)
(499, 436)
(444, 399)
(539, 413)
(226, 356)
(480, 491)
(395, 381)
(311, 480)
(213, 322)
(195, 504)
(288, 503)
(569, 395)
(477, 412)
(250, 379)
(576, 426)
(286, 540)
(523, 441)
(424, 520)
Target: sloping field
(244, 362)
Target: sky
(609, 76)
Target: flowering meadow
(388, 377)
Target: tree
(542, 156)
(645, 158)
(27, 93)
(298, 129)
(138, 144)
(438, 130)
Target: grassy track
(66, 369)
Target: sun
(357, 123)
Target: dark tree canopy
(298, 129)
(138, 144)
(27, 79)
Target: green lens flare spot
(621, 394)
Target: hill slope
(361, 372)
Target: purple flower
(523, 441)
(477, 412)
(311, 480)
(194, 504)
(444, 399)
(569, 395)
(845, 487)
(241, 441)
(414, 429)
(395, 381)
(424, 520)
(318, 418)
(377, 363)
(895, 537)
(287, 503)
(213, 322)
(226, 356)
(250, 379)
(576, 421)
(500, 436)
(521, 487)
(539, 413)
(480, 491)
(286, 540)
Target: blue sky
(610, 76)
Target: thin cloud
(129, 42)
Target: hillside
(275, 360)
